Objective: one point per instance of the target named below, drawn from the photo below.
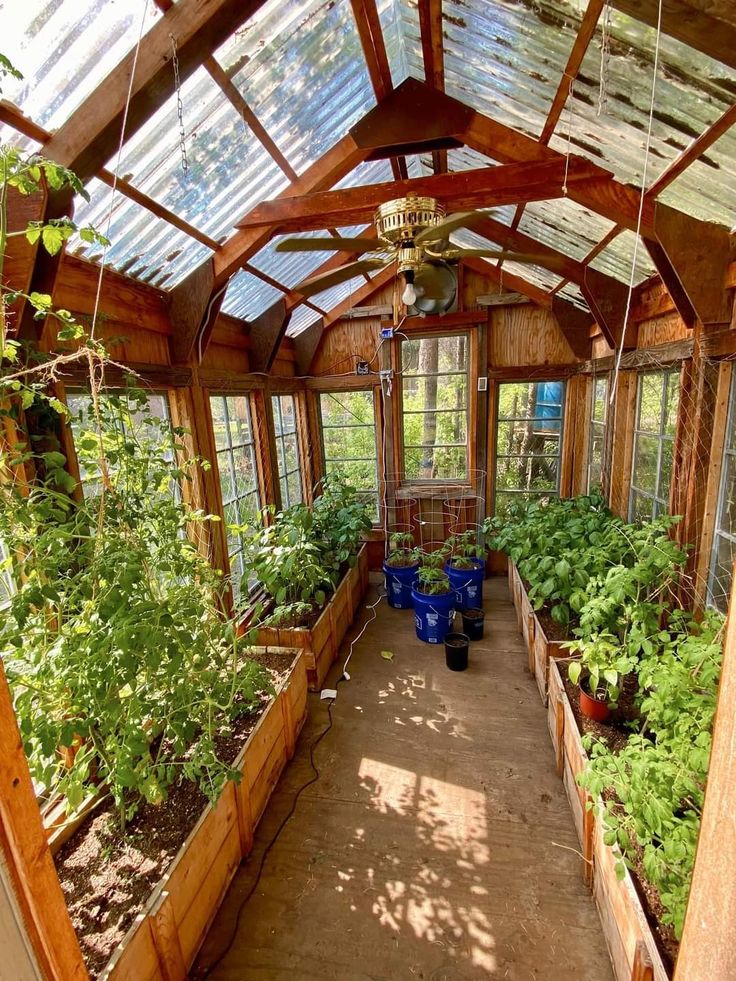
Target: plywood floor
(437, 843)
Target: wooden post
(622, 421)
(560, 735)
(588, 833)
(26, 854)
(642, 968)
(707, 949)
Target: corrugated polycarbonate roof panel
(142, 245)
(707, 189)
(564, 225)
(616, 259)
(247, 296)
(504, 59)
(692, 91)
(572, 293)
(300, 67)
(64, 50)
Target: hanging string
(570, 96)
(179, 106)
(642, 195)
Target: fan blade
(331, 244)
(546, 261)
(318, 283)
(440, 231)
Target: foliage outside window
(724, 532)
(349, 441)
(657, 399)
(597, 433)
(238, 473)
(287, 449)
(434, 386)
(528, 442)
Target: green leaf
(52, 239)
(387, 655)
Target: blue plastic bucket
(398, 585)
(468, 584)
(433, 615)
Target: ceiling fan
(414, 233)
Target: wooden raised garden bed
(630, 940)
(540, 649)
(321, 643)
(165, 937)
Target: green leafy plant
(433, 580)
(341, 518)
(401, 550)
(465, 548)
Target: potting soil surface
(437, 842)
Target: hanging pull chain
(179, 107)
(605, 58)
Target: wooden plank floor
(437, 843)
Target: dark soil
(552, 629)
(402, 562)
(107, 877)
(456, 643)
(615, 735)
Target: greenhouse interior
(367, 490)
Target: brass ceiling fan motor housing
(401, 219)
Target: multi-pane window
(528, 442)
(724, 532)
(349, 441)
(434, 387)
(287, 449)
(237, 469)
(597, 433)
(657, 399)
(123, 410)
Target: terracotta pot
(591, 707)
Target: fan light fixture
(409, 295)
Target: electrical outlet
(362, 368)
(482, 383)
(387, 333)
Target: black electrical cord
(202, 975)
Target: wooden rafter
(468, 189)
(91, 134)
(376, 59)
(433, 52)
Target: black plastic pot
(456, 651)
(473, 620)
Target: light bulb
(409, 295)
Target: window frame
(471, 374)
(559, 457)
(660, 436)
(602, 429)
(368, 389)
(720, 533)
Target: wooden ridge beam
(376, 59)
(433, 53)
(466, 189)
(89, 137)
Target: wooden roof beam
(509, 281)
(467, 189)
(433, 52)
(88, 139)
(376, 59)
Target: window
(126, 412)
(724, 532)
(657, 399)
(434, 387)
(7, 586)
(287, 449)
(528, 442)
(597, 433)
(236, 466)
(349, 441)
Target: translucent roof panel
(503, 58)
(64, 50)
(300, 67)
(707, 189)
(247, 296)
(692, 91)
(303, 316)
(228, 169)
(572, 293)
(616, 259)
(564, 225)
(142, 245)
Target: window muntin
(349, 441)
(723, 550)
(435, 407)
(528, 442)
(238, 473)
(657, 400)
(597, 431)
(287, 449)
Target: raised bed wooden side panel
(544, 651)
(164, 940)
(539, 648)
(624, 923)
(321, 644)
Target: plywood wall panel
(660, 330)
(526, 335)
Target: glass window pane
(349, 439)
(287, 446)
(724, 554)
(650, 403)
(672, 400)
(600, 399)
(646, 457)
